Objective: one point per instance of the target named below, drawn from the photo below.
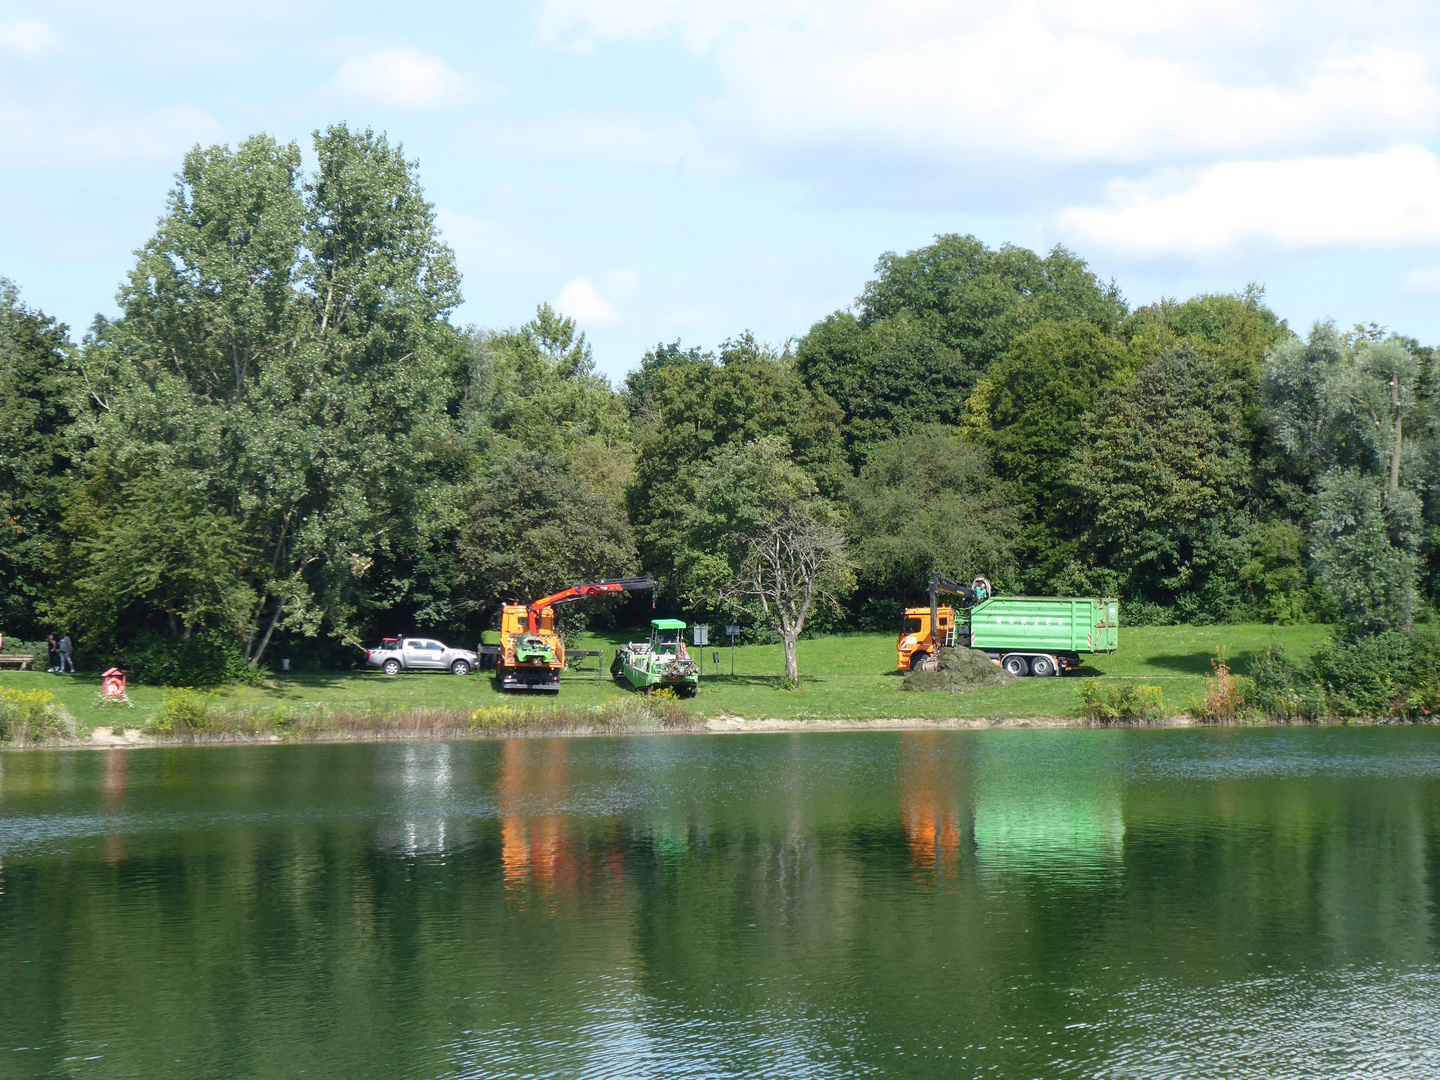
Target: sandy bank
(104, 738)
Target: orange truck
(532, 652)
(919, 642)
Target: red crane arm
(579, 592)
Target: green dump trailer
(1044, 635)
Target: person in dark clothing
(53, 648)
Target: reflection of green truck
(1043, 635)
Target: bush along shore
(189, 716)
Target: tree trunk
(792, 665)
(1394, 489)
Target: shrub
(1146, 613)
(184, 712)
(1367, 677)
(16, 647)
(203, 660)
(1101, 704)
(1275, 686)
(33, 716)
(1225, 694)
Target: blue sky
(688, 169)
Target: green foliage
(538, 386)
(23, 707)
(1237, 331)
(702, 408)
(200, 660)
(530, 526)
(1029, 411)
(184, 712)
(737, 493)
(932, 322)
(150, 546)
(1330, 400)
(285, 345)
(1129, 701)
(37, 371)
(1367, 554)
(923, 502)
(1365, 677)
(1161, 474)
(1272, 577)
(1276, 685)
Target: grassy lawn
(849, 676)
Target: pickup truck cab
(394, 655)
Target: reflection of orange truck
(1027, 635)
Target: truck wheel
(459, 667)
(1041, 666)
(1016, 666)
(917, 661)
(391, 667)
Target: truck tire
(917, 660)
(391, 667)
(460, 667)
(1016, 665)
(1042, 666)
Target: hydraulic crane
(924, 631)
(532, 653)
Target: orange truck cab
(916, 643)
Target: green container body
(1051, 624)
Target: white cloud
(1423, 281)
(404, 79)
(1387, 199)
(48, 135)
(656, 142)
(962, 83)
(27, 37)
(581, 300)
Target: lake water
(902, 904)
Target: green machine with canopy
(661, 661)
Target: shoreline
(103, 738)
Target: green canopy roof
(667, 624)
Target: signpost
(732, 632)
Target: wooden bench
(18, 661)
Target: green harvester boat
(661, 661)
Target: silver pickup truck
(394, 655)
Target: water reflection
(1058, 815)
(930, 802)
(424, 779)
(1010, 904)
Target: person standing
(67, 660)
(53, 648)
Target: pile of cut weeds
(959, 671)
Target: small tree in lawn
(756, 537)
(796, 562)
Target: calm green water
(947, 904)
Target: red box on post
(112, 683)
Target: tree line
(284, 439)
